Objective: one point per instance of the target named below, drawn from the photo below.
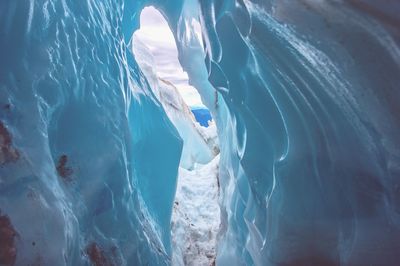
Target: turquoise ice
(305, 95)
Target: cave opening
(196, 214)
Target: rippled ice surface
(305, 99)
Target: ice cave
(200, 132)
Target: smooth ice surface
(305, 98)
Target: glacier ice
(196, 214)
(197, 148)
(74, 108)
(305, 99)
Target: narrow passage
(196, 214)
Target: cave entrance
(196, 214)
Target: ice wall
(308, 120)
(88, 159)
(311, 151)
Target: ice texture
(310, 152)
(80, 134)
(196, 214)
(305, 97)
(197, 148)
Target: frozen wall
(308, 117)
(307, 111)
(80, 134)
(311, 150)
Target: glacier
(195, 220)
(197, 146)
(305, 99)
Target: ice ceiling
(305, 97)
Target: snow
(196, 216)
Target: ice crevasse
(305, 97)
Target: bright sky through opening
(155, 33)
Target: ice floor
(196, 216)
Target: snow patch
(196, 216)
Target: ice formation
(196, 213)
(305, 98)
(195, 145)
